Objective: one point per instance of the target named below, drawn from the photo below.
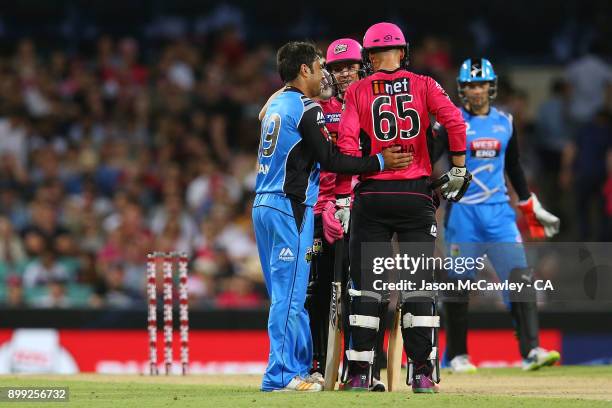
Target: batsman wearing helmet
(484, 215)
(391, 107)
(343, 61)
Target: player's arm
(449, 116)
(514, 170)
(456, 181)
(437, 142)
(314, 133)
(541, 223)
(347, 142)
(263, 110)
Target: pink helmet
(344, 49)
(383, 35)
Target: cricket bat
(394, 351)
(334, 338)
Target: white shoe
(462, 364)
(378, 386)
(301, 385)
(315, 377)
(539, 357)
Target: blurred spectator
(553, 132)
(12, 206)
(56, 296)
(237, 237)
(14, 292)
(128, 242)
(590, 78)
(607, 193)
(173, 225)
(111, 292)
(12, 252)
(239, 292)
(44, 270)
(44, 220)
(201, 283)
(552, 125)
(225, 268)
(585, 171)
(436, 55)
(13, 141)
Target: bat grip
(338, 259)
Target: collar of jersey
(292, 89)
(386, 71)
(476, 116)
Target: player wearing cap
(343, 62)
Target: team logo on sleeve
(485, 148)
(320, 118)
(326, 134)
(441, 89)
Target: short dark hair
(292, 55)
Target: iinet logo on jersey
(397, 86)
(286, 255)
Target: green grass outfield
(557, 386)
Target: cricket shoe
(424, 384)
(422, 381)
(539, 357)
(316, 377)
(299, 384)
(378, 386)
(462, 364)
(358, 382)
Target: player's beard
(315, 89)
(477, 102)
(343, 85)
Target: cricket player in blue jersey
(484, 222)
(294, 145)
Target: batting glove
(343, 212)
(332, 228)
(455, 183)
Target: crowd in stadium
(109, 156)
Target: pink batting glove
(332, 229)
